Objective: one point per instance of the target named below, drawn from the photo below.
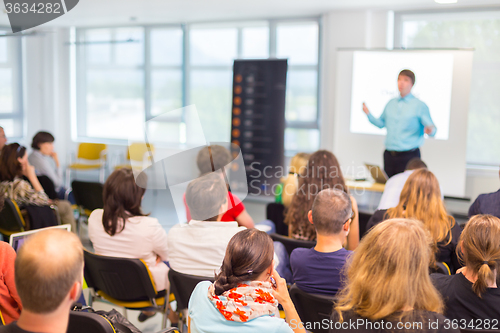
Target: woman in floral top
(13, 166)
(246, 292)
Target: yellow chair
(139, 156)
(11, 219)
(90, 156)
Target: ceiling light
(446, 1)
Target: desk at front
(366, 193)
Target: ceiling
(113, 12)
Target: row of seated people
(19, 182)
(386, 282)
(136, 203)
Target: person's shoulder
(200, 290)
(299, 253)
(440, 280)
(234, 197)
(12, 328)
(6, 250)
(96, 213)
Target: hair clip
(249, 272)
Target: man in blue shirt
(407, 119)
(320, 270)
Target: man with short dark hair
(49, 277)
(394, 185)
(407, 119)
(319, 270)
(488, 203)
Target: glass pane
(166, 47)
(301, 140)
(255, 42)
(213, 46)
(479, 31)
(3, 48)
(115, 104)
(164, 132)
(166, 94)
(6, 93)
(130, 49)
(211, 92)
(298, 42)
(8, 127)
(301, 95)
(98, 50)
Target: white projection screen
(442, 82)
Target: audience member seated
(488, 203)
(220, 157)
(10, 303)
(319, 270)
(49, 278)
(243, 298)
(121, 229)
(322, 172)
(388, 284)
(394, 185)
(421, 199)
(198, 247)
(13, 166)
(473, 294)
(289, 184)
(46, 162)
(3, 138)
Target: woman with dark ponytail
(246, 292)
(473, 294)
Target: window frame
(18, 113)
(186, 67)
(472, 167)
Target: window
(121, 84)
(139, 73)
(11, 107)
(479, 30)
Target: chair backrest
(91, 151)
(88, 194)
(291, 244)
(84, 322)
(276, 213)
(11, 220)
(182, 286)
(138, 150)
(312, 309)
(441, 268)
(123, 279)
(363, 221)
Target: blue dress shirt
(405, 119)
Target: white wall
(47, 85)
(368, 29)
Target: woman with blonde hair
(472, 293)
(289, 184)
(388, 288)
(322, 172)
(421, 199)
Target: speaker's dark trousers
(395, 161)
